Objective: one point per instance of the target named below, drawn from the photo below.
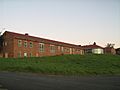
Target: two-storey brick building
(22, 45)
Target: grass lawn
(65, 65)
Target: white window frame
(58, 48)
(19, 43)
(25, 54)
(52, 48)
(41, 47)
(31, 44)
(62, 49)
(25, 43)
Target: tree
(110, 45)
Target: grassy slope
(65, 65)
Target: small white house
(95, 49)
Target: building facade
(16, 45)
(109, 50)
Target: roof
(38, 39)
(91, 47)
(118, 49)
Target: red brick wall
(12, 48)
(7, 45)
(35, 49)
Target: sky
(80, 22)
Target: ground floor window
(52, 48)
(58, 48)
(62, 49)
(41, 47)
(25, 54)
(6, 55)
(70, 50)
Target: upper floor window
(41, 47)
(19, 43)
(25, 44)
(31, 44)
(52, 48)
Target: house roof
(91, 47)
(38, 39)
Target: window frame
(31, 44)
(52, 49)
(41, 47)
(25, 54)
(25, 44)
(19, 43)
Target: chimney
(94, 43)
(26, 34)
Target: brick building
(94, 49)
(22, 45)
(109, 50)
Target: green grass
(65, 65)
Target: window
(62, 49)
(88, 50)
(73, 51)
(25, 44)
(31, 44)
(58, 48)
(19, 43)
(25, 54)
(6, 55)
(5, 43)
(65, 49)
(41, 47)
(78, 50)
(68, 50)
(19, 54)
(52, 48)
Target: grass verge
(65, 65)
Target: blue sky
(74, 21)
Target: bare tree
(110, 45)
